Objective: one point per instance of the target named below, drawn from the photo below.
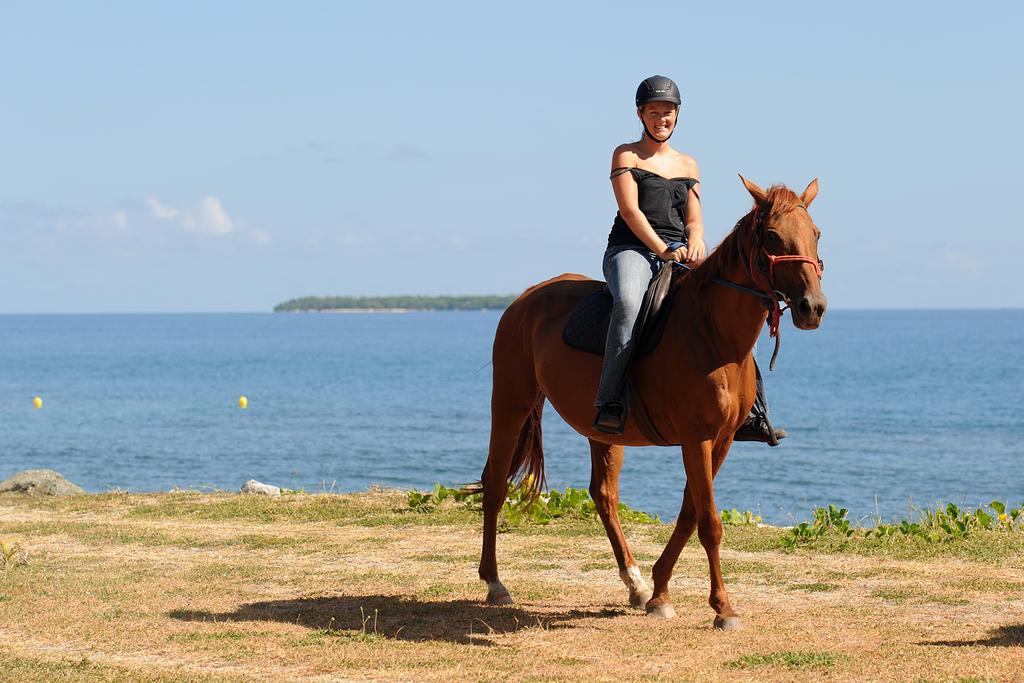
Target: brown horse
(698, 385)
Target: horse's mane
(726, 255)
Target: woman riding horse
(659, 204)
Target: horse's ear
(810, 193)
(755, 191)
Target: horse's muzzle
(807, 312)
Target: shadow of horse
(1004, 636)
(403, 618)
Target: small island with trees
(395, 304)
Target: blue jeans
(629, 271)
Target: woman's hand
(696, 251)
(669, 254)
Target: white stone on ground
(253, 486)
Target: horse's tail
(526, 471)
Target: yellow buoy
(243, 402)
(37, 402)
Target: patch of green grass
(260, 541)
(814, 587)
(205, 636)
(299, 508)
(950, 600)
(901, 596)
(330, 635)
(92, 502)
(367, 633)
(443, 558)
(437, 590)
(234, 571)
(873, 572)
(893, 594)
(107, 534)
(599, 565)
(29, 670)
(789, 659)
(370, 510)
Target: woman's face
(659, 118)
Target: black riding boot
(611, 418)
(757, 426)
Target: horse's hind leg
(515, 434)
(605, 464)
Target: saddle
(587, 326)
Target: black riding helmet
(657, 89)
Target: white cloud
(209, 218)
(150, 221)
(161, 211)
(214, 219)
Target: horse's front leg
(698, 511)
(605, 465)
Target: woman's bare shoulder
(687, 164)
(625, 156)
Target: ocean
(886, 410)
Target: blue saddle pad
(587, 326)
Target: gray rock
(40, 482)
(253, 486)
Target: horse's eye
(773, 236)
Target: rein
(773, 301)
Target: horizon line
(894, 309)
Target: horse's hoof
(497, 594)
(728, 623)
(662, 611)
(499, 598)
(638, 600)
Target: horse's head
(782, 249)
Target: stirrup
(758, 428)
(611, 419)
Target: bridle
(773, 298)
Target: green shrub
(734, 517)
(940, 525)
(520, 509)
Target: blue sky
(194, 156)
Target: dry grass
(219, 586)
